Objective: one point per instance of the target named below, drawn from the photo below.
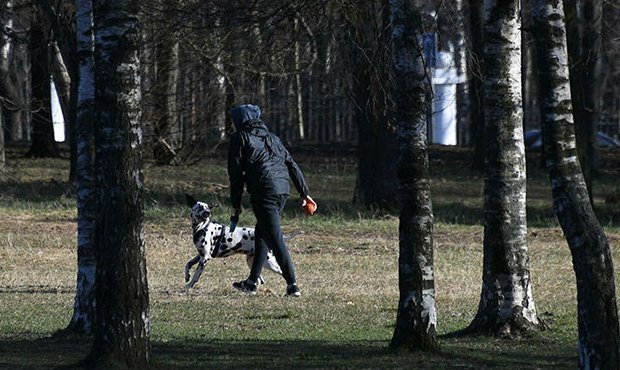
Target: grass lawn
(346, 260)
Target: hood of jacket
(245, 116)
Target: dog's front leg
(201, 266)
(189, 265)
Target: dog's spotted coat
(214, 240)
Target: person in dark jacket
(258, 159)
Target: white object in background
(57, 118)
(445, 79)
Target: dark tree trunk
(475, 83)
(416, 320)
(599, 337)
(122, 309)
(43, 143)
(531, 116)
(377, 183)
(64, 67)
(165, 119)
(506, 304)
(15, 83)
(584, 27)
(2, 147)
(82, 321)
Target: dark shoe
(245, 287)
(293, 291)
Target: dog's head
(201, 212)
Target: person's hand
(234, 219)
(309, 205)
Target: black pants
(268, 235)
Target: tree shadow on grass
(42, 353)
(39, 191)
(66, 352)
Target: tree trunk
(599, 337)
(506, 305)
(217, 131)
(377, 183)
(584, 27)
(475, 84)
(299, 96)
(531, 117)
(610, 89)
(165, 123)
(462, 92)
(122, 311)
(2, 146)
(15, 20)
(43, 143)
(82, 321)
(416, 320)
(65, 77)
(64, 66)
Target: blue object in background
(429, 45)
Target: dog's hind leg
(270, 263)
(201, 266)
(189, 265)
(249, 258)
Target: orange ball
(310, 208)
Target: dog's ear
(190, 200)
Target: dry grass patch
(346, 261)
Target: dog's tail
(293, 234)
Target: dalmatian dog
(214, 240)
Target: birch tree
(599, 338)
(585, 54)
(416, 320)
(121, 333)
(84, 306)
(506, 302)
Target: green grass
(346, 261)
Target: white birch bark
(83, 308)
(506, 302)
(416, 320)
(121, 335)
(599, 331)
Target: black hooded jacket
(257, 158)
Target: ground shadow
(474, 353)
